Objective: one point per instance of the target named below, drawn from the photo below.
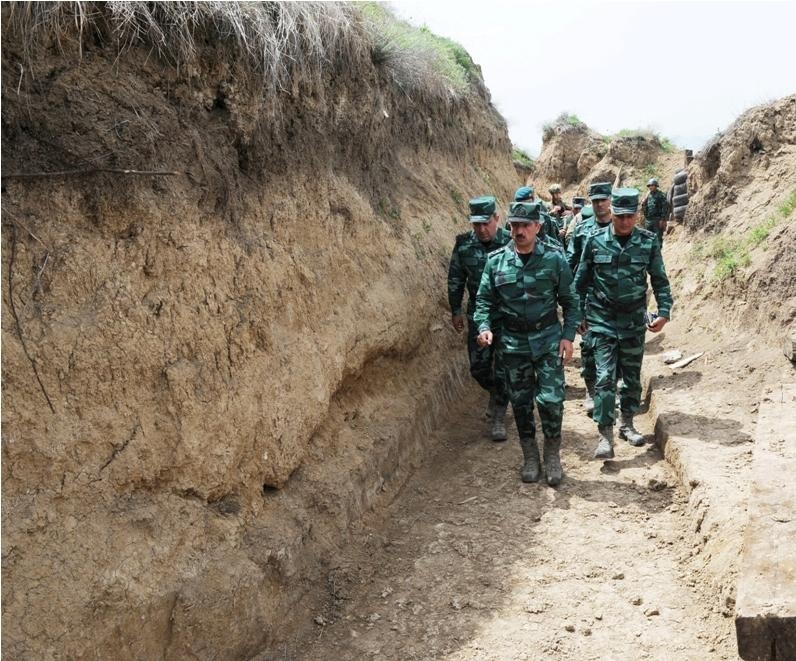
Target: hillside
(208, 373)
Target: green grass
(788, 205)
(731, 255)
(419, 61)
(456, 196)
(521, 156)
(666, 144)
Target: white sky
(683, 69)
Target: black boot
(531, 470)
(498, 430)
(552, 461)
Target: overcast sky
(683, 69)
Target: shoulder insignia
(645, 232)
(496, 252)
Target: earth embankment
(207, 374)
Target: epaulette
(498, 250)
(461, 238)
(552, 245)
(646, 232)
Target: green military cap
(587, 212)
(624, 201)
(579, 201)
(482, 208)
(524, 212)
(600, 191)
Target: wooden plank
(765, 617)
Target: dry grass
(276, 37)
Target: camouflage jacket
(583, 230)
(467, 264)
(526, 297)
(655, 206)
(612, 282)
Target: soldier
(549, 230)
(580, 210)
(558, 207)
(612, 284)
(600, 194)
(524, 283)
(655, 209)
(466, 265)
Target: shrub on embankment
(177, 341)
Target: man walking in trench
(611, 282)
(466, 265)
(523, 284)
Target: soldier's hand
(657, 325)
(485, 339)
(565, 351)
(457, 320)
(582, 328)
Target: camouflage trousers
(655, 227)
(610, 354)
(588, 368)
(486, 366)
(538, 378)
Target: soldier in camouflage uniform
(583, 211)
(466, 265)
(549, 229)
(524, 283)
(655, 210)
(600, 194)
(612, 284)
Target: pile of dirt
(574, 156)
(208, 375)
(737, 256)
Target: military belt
(625, 308)
(519, 325)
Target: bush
(521, 156)
(418, 61)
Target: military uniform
(611, 282)
(526, 297)
(655, 209)
(464, 273)
(587, 227)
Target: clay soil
(470, 563)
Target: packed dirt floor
(470, 563)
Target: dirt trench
(469, 563)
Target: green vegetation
(418, 61)
(456, 196)
(521, 156)
(788, 205)
(666, 144)
(564, 119)
(731, 255)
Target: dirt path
(469, 563)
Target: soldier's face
(602, 208)
(486, 231)
(624, 223)
(524, 234)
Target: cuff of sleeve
(456, 312)
(665, 313)
(483, 327)
(569, 336)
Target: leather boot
(498, 430)
(490, 408)
(629, 432)
(588, 402)
(531, 469)
(605, 446)
(552, 461)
